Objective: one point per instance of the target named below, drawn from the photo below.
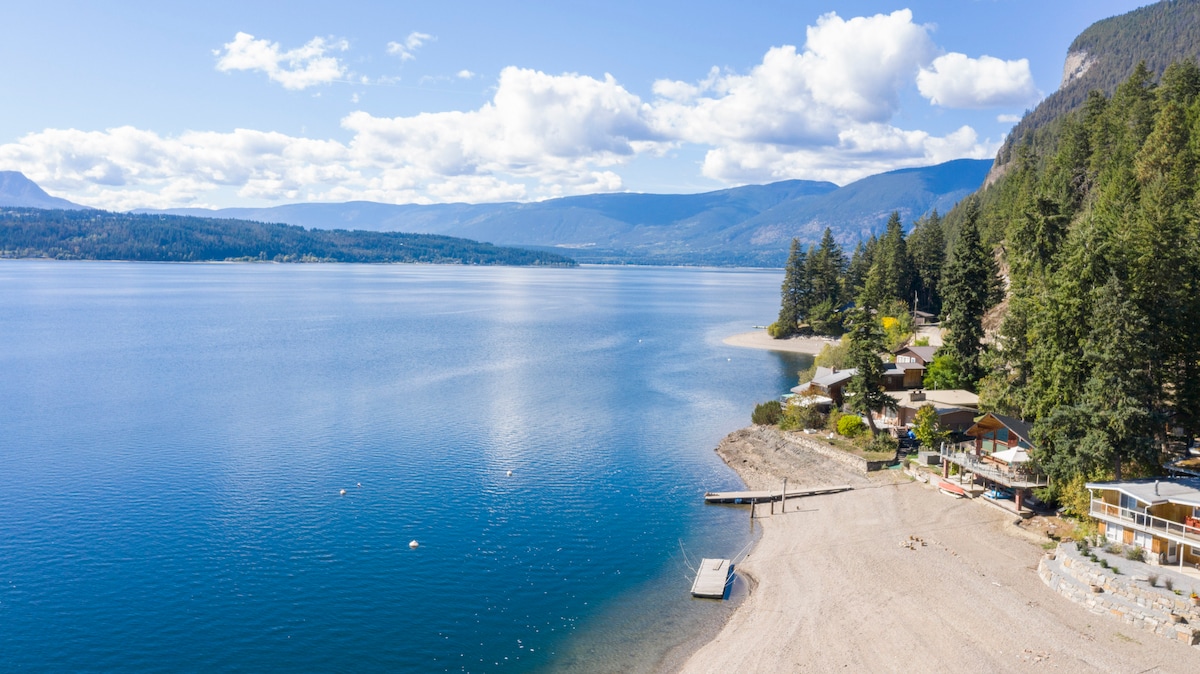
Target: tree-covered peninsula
(102, 235)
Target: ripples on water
(175, 438)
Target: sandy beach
(895, 576)
(759, 339)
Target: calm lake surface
(174, 440)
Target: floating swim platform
(747, 497)
(712, 578)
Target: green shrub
(883, 443)
(767, 414)
(778, 331)
(1136, 554)
(796, 417)
(850, 425)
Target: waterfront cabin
(999, 454)
(827, 382)
(997, 432)
(1160, 515)
(956, 409)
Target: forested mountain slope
(1105, 54)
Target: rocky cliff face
(1078, 63)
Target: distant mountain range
(749, 225)
(17, 190)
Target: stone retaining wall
(828, 451)
(1125, 596)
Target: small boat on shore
(951, 489)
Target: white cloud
(823, 111)
(958, 81)
(555, 130)
(849, 72)
(407, 50)
(297, 68)
(1008, 119)
(466, 75)
(819, 112)
(541, 135)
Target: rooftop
(942, 398)
(925, 353)
(1153, 491)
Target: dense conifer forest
(1097, 226)
(101, 235)
(1083, 263)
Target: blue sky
(147, 104)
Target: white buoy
(343, 493)
(413, 543)
(510, 473)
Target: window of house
(1143, 540)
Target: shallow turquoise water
(175, 439)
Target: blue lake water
(174, 440)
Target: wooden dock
(712, 578)
(768, 496)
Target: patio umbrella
(1014, 455)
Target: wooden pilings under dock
(768, 496)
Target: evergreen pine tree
(890, 275)
(965, 288)
(826, 270)
(866, 386)
(860, 265)
(794, 293)
(927, 247)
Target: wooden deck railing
(1011, 477)
(1144, 521)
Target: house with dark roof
(999, 454)
(829, 382)
(922, 355)
(997, 432)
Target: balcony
(1015, 477)
(1135, 519)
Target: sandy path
(837, 591)
(759, 339)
